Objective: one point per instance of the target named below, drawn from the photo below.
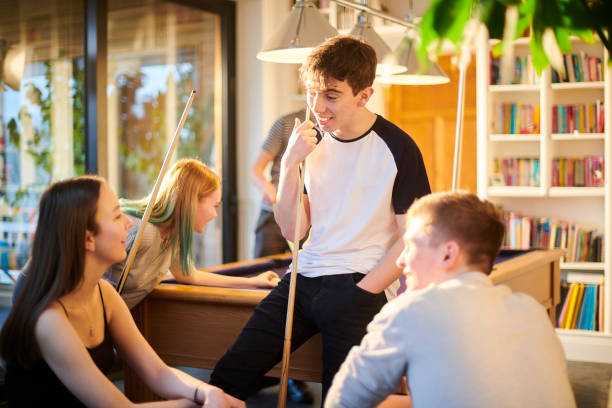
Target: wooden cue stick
(282, 394)
(459, 127)
(145, 217)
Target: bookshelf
(589, 205)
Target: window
(41, 114)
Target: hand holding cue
(282, 394)
(145, 217)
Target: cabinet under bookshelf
(567, 142)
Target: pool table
(194, 325)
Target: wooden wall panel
(428, 114)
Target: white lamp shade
(12, 71)
(405, 55)
(303, 30)
(385, 66)
(12, 61)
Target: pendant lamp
(405, 55)
(12, 62)
(298, 35)
(386, 66)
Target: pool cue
(459, 127)
(282, 394)
(145, 217)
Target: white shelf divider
(577, 191)
(583, 266)
(524, 137)
(578, 136)
(515, 88)
(515, 191)
(577, 85)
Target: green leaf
(445, 19)
(493, 15)
(451, 17)
(538, 56)
(585, 35)
(563, 39)
(14, 136)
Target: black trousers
(333, 305)
(268, 237)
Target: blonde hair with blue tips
(187, 182)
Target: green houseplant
(549, 23)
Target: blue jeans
(332, 305)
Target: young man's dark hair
(335, 59)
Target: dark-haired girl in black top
(58, 339)
(49, 388)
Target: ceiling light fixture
(300, 33)
(405, 55)
(12, 62)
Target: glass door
(157, 53)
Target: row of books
(580, 117)
(577, 172)
(523, 72)
(516, 171)
(517, 118)
(579, 68)
(583, 307)
(580, 244)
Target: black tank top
(39, 386)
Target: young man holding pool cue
(361, 176)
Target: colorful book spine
(577, 172)
(581, 244)
(579, 68)
(517, 171)
(581, 305)
(524, 73)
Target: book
(574, 306)
(601, 308)
(600, 116)
(589, 319)
(562, 306)
(577, 306)
(571, 305)
(568, 306)
(580, 320)
(596, 308)
(571, 72)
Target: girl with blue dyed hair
(188, 199)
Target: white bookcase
(591, 207)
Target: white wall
(249, 112)
(264, 92)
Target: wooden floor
(592, 384)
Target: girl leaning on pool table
(188, 199)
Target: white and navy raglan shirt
(355, 189)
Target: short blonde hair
(474, 223)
